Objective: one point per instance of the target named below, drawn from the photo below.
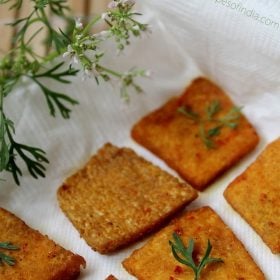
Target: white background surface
(190, 38)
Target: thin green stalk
(90, 24)
(110, 71)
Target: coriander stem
(2, 119)
(114, 73)
(90, 24)
(51, 56)
(1, 98)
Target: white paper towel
(189, 38)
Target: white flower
(136, 27)
(90, 73)
(75, 59)
(71, 54)
(128, 2)
(104, 15)
(68, 52)
(86, 74)
(78, 23)
(148, 73)
(112, 5)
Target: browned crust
(255, 195)
(154, 261)
(121, 195)
(174, 138)
(111, 277)
(38, 257)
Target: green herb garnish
(5, 259)
(230, 119)
(184, 255)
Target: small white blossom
(70, 54)
(128, 2)
(78, 23)
(104, 15)
(112, 5)
(90, 73)
(86, 74)
(148, 73)
(75, 59)
(136, 27)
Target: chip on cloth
(38, 257)
(119, 196)
(155, 261)
(111, 277)
(175, 138)
(255, 195)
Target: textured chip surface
(175, 138)
(118, 197)
(38, 258)
(255, 195)
(111, 277)
(154, 261)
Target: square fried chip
(155, 261)
(119, 196)
(255, 195)
(200, 134)
(37, 256)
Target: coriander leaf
(31, 156)
(208, 142)
(57, 100)
(187, 112)
(4, 149)
(8, 246)
(40, 4)
(213, 108)
(6, 259)
(4, 152)
(16, 5)
(214, 131)
(233, 115)
(58, 76)
(184, 255)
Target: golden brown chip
(177, 139)
(118, 197)
(38, 257)
(111, 277)
(255, 195)
(154, 261)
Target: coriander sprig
(184, 255)
(230, 119)
(31, 156)
(6, 259)
(79, 47)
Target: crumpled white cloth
(213, 38)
